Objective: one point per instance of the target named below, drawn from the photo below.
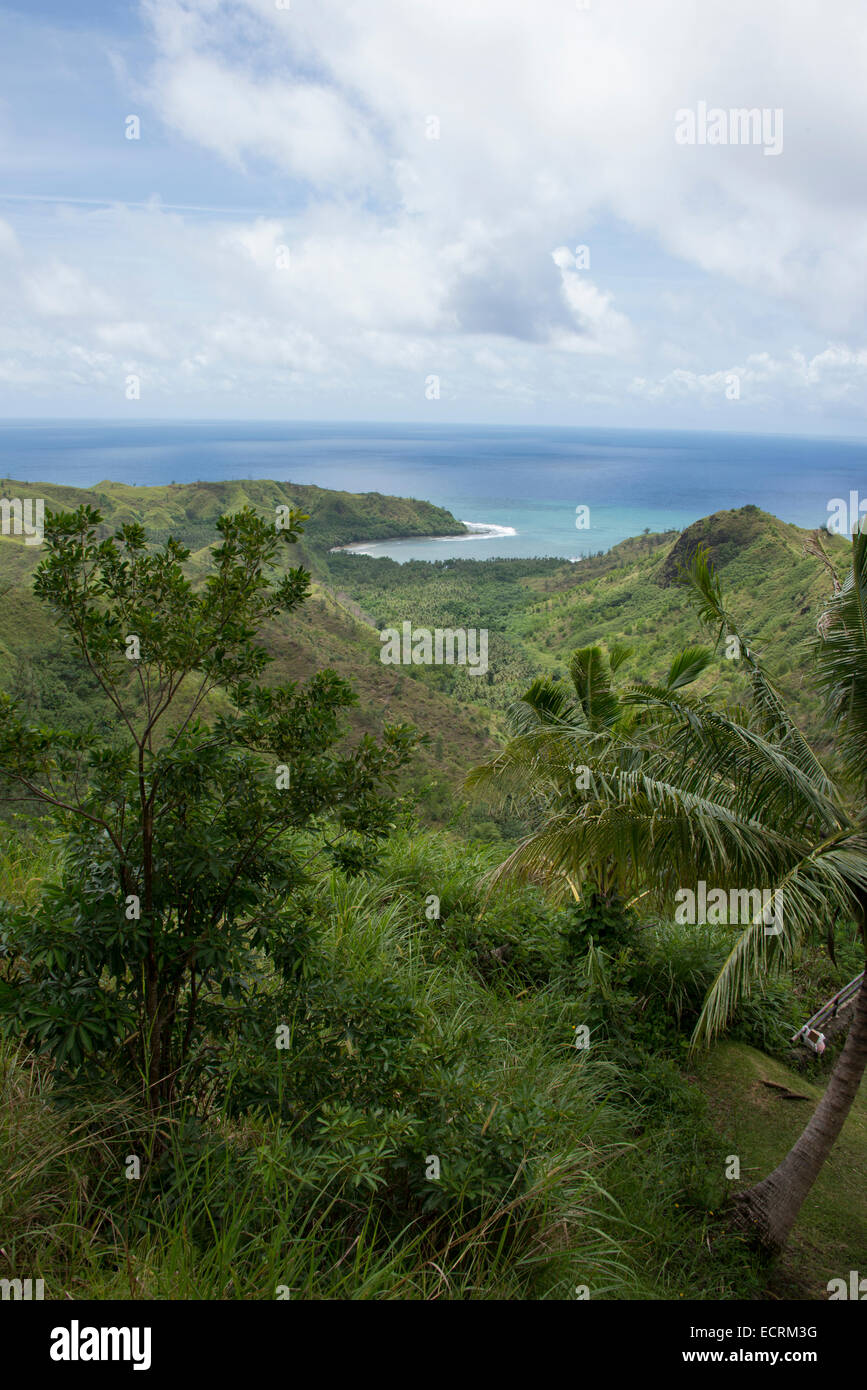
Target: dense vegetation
(379, 1086)
(452, 1038)
(674, 788)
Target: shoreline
(479, 531)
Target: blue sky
(375, 211)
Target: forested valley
(322, 977)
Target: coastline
(474, 531)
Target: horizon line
(216, 421)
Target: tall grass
(562, 1169)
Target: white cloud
(409, 255)
(9, 246)
(826, 380)
(58, 290)
(304, 128)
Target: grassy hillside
(761, 1125)
(559, 1168)
(535, 611)
(539, 611)
(37, 663)
(189, 510)
(446, 1033)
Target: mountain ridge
(536, 610)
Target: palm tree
(674, 787)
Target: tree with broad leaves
(185, 835)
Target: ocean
(526, 485)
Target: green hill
(536, 611)
(539, 611)
(38, 665)
(603, 1168)
(189, 510)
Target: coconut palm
(652, 787)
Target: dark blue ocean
(525, 482)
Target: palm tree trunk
(769, 1209)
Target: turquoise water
(527, 481)
(540, 528)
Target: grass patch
(830, 1235)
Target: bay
(525, 483)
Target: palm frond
(591, 676)
(775, 720)
(841, 651)
(818, 887)
(618, 653)
(687, 667)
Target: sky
(489, 211)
